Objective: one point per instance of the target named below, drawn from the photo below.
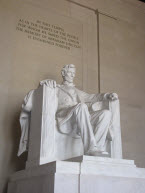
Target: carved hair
(65, 68)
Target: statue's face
(70, 75)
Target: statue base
(84, 174)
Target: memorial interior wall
(104, 39)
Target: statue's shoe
(96, 152)
(105, 153)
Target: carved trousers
(93, 127)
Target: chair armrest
(100, 105)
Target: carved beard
(68, 79)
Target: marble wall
(106, 45)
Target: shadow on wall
(11, 161)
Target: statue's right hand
(49, 83)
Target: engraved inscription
(48, 33)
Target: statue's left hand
(112, 96)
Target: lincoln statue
(76, 114)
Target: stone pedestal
(85, 174)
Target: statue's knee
(83, 106)
(106, 113)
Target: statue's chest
(67, 97)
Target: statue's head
(68, 73)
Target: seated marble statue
(77, 114)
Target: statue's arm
(91, 98)
(101, 97)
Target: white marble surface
(66, 183)
(109, 184)
(91, 165)
(89, 175)
(50, 168)
(55, 177)
(103, 160)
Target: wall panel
(122, 59)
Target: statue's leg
(100, 121)
(85, 128)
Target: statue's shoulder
(60, 88)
